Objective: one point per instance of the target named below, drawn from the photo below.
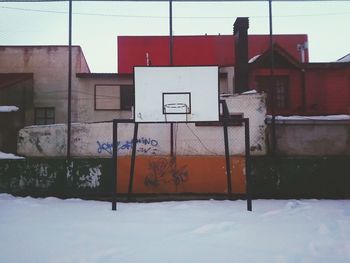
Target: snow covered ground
(54, 230)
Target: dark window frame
(127, 95)
(126, 99)
(47, 120)
(281, 103)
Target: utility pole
(69, 110)
(272, 85)
(171, 63)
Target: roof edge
(103, 75)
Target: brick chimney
(240, 32)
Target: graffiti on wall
(165, 171)
(143, 146)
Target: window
(114, 97)
(280, 93)
(126, 97)
(280, 84)
(44, 116)
(107, 97)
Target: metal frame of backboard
(187, 85)
(225, 120)
(196, 88)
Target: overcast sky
(96, 25)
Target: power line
(166, 17)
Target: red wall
(195, 50)
(328, 90)
(295, 105)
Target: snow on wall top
(311, 118)
(8, 108)
(9, 156)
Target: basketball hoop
(176, 108)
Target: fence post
(247, 165)
(114, 172)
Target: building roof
(37, 46)
(281, 58)
(104, 75)
(196, 50)
(326, 65)
(346, 58)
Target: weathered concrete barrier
(301, 177)
(55, 177)
(312, 135)
(95, 139)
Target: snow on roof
(312, 118)
(344, 59)
(249, 92)
(254, 58)
(8, 108)
(9, 156)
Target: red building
(196, 50)
(300, 87)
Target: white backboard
(176, 94)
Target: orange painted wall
(185, 174)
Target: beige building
(40, 73)
(49, 66)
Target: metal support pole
(247, 165)
(69, 110)
(227, 148)
(171, 40)
(114, 173)
(227, 157)
(171, 43)
(172, 139)
(303, 90)
(133, 157)
(272, 86)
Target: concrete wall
(50, 67)
(305, 138)
(286, 177)
(252, 106)
(153, 139)
(185, 174)
(301, 177)
(56, 177)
